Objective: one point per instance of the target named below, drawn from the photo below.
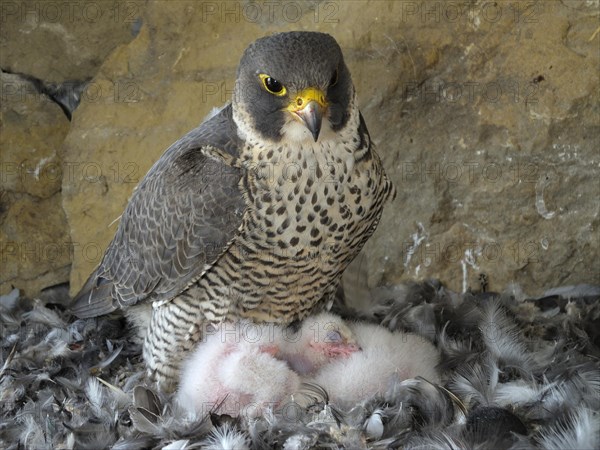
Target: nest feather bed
(516, 372)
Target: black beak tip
(315, 134)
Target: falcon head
(294, 86)
(321, 339)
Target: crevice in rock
(66, 95)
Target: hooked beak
(309, 106)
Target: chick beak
(309, 106)
(345, 349)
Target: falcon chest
(307, 204)
(310, 207)
(309, 211)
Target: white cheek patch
(296, 131)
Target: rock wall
(34, 232)
(47, 50)
(485, 115)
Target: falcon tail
(94, 299)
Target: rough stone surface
(498, 158)
(485, 115)
(46, 46)
(35, 248)
(63, 41)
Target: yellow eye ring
(272, 85)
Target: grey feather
(581, 430)
(47, 400)
(575, 291)
(178, 221)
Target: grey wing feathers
(179, 220)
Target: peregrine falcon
(254, 214)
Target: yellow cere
(306, 96)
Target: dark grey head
(294, 78)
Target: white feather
(502, 337)
(299, 442)
(516, 392)
(95, 395)
(226, 438)
(32, 435)
(477, 383)
(582, 431)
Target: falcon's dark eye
(334, 78)
(272, 85)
